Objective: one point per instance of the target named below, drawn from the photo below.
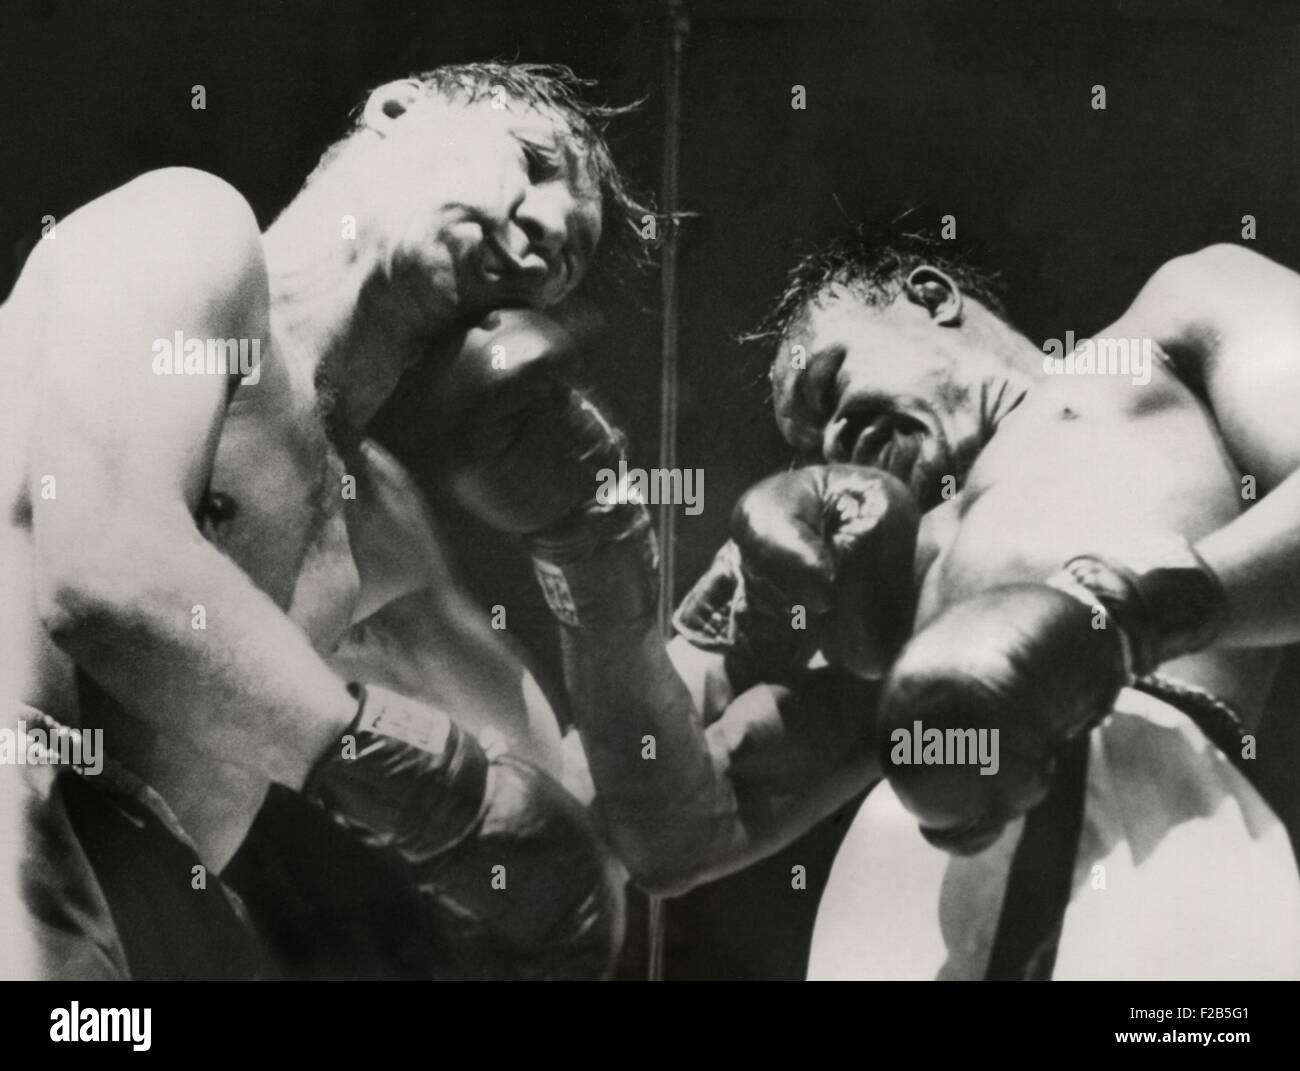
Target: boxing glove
(1160, 596)
(826, 563)
(1039, 664)
(522, 447)
(1024, 669)
(532, 455)
(504, 858)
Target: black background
(981, 110)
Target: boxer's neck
(1015, 359)
(1005, 370)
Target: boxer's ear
(390, 102)
(936, 292)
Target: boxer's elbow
(81, 611)
(665, 878)
(669, 853)
(98, 597)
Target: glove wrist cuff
(600, 570)
(1165, 600)
(404, 774)
(1068, 582)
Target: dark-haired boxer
(894, 358)
(1118, 473)
(201, 551)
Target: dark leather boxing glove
(1024, 669)
(523, 447)
(838, 541)
(503, 856)
(1160, 596)
(1040, 664)
(532, 455)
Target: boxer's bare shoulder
(1199, 298)
(185, 229)
(171, 250)
(1230, 319)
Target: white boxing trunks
(1181, 871)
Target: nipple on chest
(218, 508)
(215, 513)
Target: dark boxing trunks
(113, 887)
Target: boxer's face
(489, 202)
(888, 386)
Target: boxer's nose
(543, 218)
(804, 396)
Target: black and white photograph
(650, 491)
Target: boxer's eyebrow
(563, 153)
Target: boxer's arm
(793, 756)
(1230, 319)
(415, 628)
(687, 794)
(119, 460)
(663, 801)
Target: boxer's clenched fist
(1039, 664)
(1023, 662)
(498, 851)
(839, 542)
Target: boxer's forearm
(1257, 560)
(666, 804)
(189, 646)
(794, 754)
(436, 646)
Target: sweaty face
(490, 203)
(881, 386)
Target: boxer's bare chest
(276, 500)
(1082, 467)
(1090, 468)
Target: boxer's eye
(543, 165)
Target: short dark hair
(874, 264)
(557, 89)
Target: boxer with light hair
(221, 574)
